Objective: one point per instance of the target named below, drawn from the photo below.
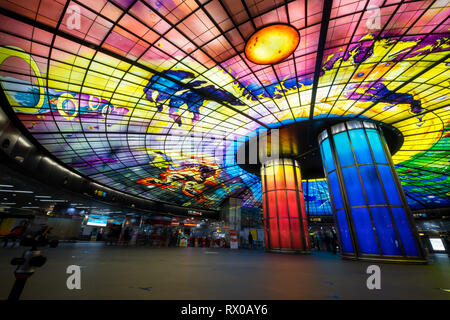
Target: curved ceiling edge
(25, 151)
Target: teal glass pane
(344, 232)
(323, 159)
(327, 156)
(404, 230)
(377, 147)
(343, 149)
(360, 146)
(384, 227)
(353, 187)
(372, 185)
(364, 231)
(335, 191)
(389, 185)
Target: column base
(399, 260)
(289, 251)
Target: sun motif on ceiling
(272, 44)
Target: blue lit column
(370, 209)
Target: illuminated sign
(437, 244)
(100, 193)
(194, 213)
(97, 221)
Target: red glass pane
(285, 233)
(282, 204)
(292, 203)
(302, 205)
(274, 240)
(264, 205)
(272, 204)
(295, 232)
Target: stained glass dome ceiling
(149, 96)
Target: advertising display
(97, 221)
(437, 244)
(233, 239)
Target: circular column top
(299, 141)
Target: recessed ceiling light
(17, 191)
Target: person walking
(334, 243)
(250, 240)
(127, 236)
(109, 236)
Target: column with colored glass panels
(370, 209)
(285, 221)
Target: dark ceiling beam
(320, 49)
(326, 14)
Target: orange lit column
(285, 220)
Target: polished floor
(199, 273)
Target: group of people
(116, 234)
(250, 243)
(326, 241)
(122, 235)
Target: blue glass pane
(385, 231)
(353, 187)
(344, 232)
(360, 146)
(343, 149)
(377, 147)
(404, 230)
(326, 153)
(323, 159)
(335, 191)
(372, 185)
(389, 184)
(364, 231)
